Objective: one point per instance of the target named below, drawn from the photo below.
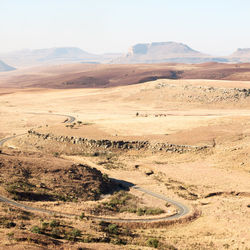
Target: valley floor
(214, 181)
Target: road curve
(9, 138)
(182, 210)
(70, 118)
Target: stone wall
(109, 144)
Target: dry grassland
(214, 181)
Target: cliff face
(163, 49)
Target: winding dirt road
(182, 210)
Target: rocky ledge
(125, 145)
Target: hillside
(61, 180)
(4, 67)
(143, 53)
(204, 162)
(61, 55)
(111, 75)
(241, 55)
(164, 52)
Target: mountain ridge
(241, 55)
(55, 55)
(162, 52)
(5, 67)
(155, 52)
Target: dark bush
(152, 242)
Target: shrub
(103, 223)
(36, 230)
(149, 211)
(10, 235)
(140, 211)
(26, 173)
(113, 229)
(120, 198)
(119, 241)
(54, 223)
(55, 233)
(109, 228)
(10, 224)
(74, 234)
(105, 177)
(96, 154)
(45, 225)
(56, 154)
(82, 216)
(152, 242)
(154, 211)
(167, 204)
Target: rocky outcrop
(205, 94)
(125, 145)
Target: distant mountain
(54, 56)
(163, 49)
(4, 67)
(157, 52)
(241, 55)
(165, 52)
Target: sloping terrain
(34, 177)
(165, 52)
(4, 67)
(143, 53)
(185, 112)
(61, 55)
(241, 55)
(104, 76)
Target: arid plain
(197, 137)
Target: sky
(216, 27)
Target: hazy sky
(98, 26)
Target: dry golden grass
(190, 178)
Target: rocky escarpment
(125, 145)
(160, 52)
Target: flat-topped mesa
(166, 48)
(125, 145)
(162, 52)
